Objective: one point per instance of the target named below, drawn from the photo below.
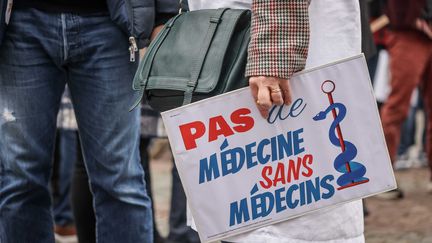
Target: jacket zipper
(133, 47)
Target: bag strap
(140, 83)
(154, 50)
(197, 67)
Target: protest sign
(241, 172)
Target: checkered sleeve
(279, 38)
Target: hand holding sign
(268, 91)
(241, 172)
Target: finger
(276, 95)
(286, 91)
(264, 100)
(254, 90)
(263, 110)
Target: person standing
(411, 66)
(286, 37)
(92, 46)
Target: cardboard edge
(213, 239)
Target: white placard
(241, 172)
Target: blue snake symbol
(352, 172)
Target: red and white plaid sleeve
(279, 38)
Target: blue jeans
(41, 51)
(65, 157)
(408, 131)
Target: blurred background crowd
(399, 56)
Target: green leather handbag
(197, 55)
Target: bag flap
(173, 55)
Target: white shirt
(335, 34)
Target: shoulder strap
(197, 67)
(140, 82)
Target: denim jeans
(40, 53)
(65, 157)
(408, 132)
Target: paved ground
(404, 221)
